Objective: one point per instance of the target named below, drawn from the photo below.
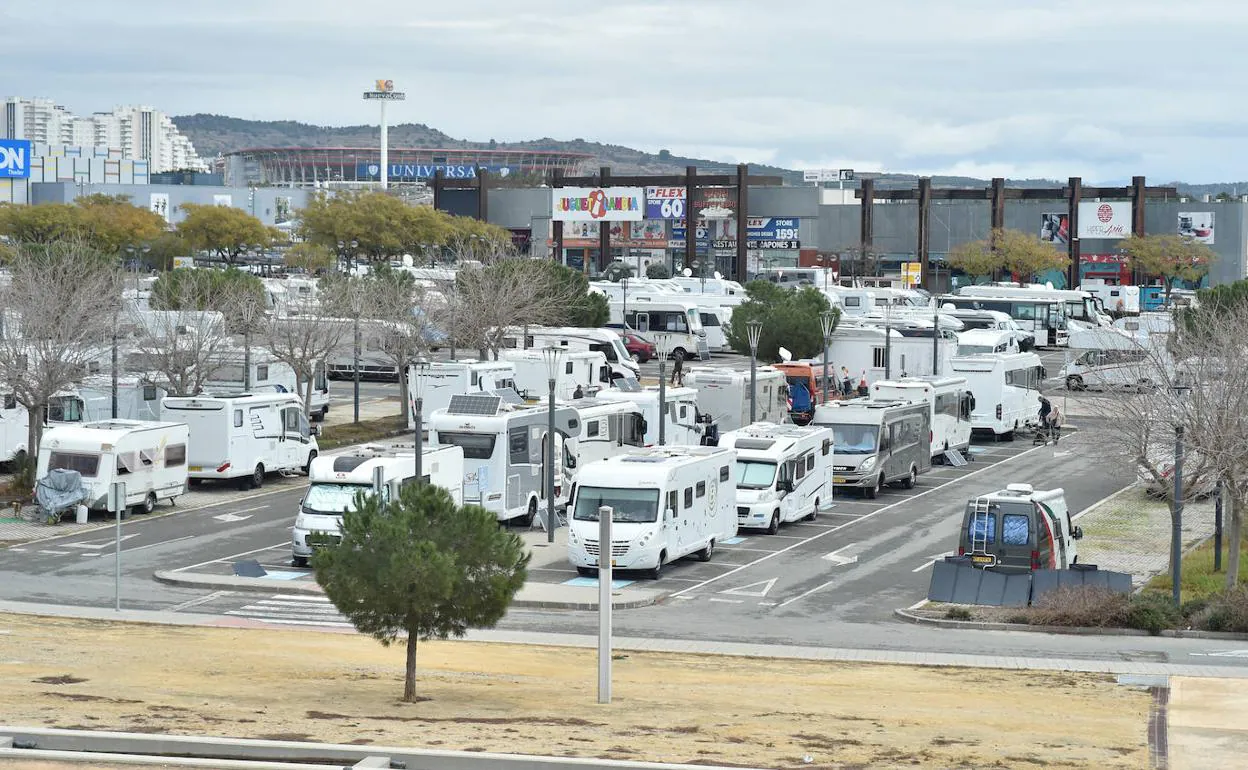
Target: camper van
(676, 316)
(268, 375)
(605, 341)
(1115, 299)
(586, 369)
(504, 451)
(804, 388)
(877, 442)
(444, 379)
(975, 341)
(243, 437)
(606, 428)
(724, 395)
(1005, 389)
(783, 473)
(1019, 529)
(994, 320)
(150, 457)
(949, 404)
(685, 423)
(334, 480)
(14, 429)
(666, 503)
(860, 347)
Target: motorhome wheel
(773, 526)
(912, 479)
(530, 514)
(257, 477)
(814, 512)
(299, 561)
(311, 457)
(705, 553)
(1074, 382)
(873, 492)
(148, 505)
(587, 572)
(656, 571)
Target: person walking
(678, 370)
(847, 385)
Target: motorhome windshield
(476, 446)
(64, 409)
(87, 465)
(854, 439)
(333, 499)
(753, 474)
(628, 506)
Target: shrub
(958, 613)
(1152, 612)
(1080, 606)
(1227, 611)
(1022, 618)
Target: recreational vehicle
(1123, 300)
(975, 341)
(803, 388)
(334, 481)
(446, 379)
(783, 473)
(150, 457)
(1005, 389)
(992, 319)
(605, 341)
(666, 503)
(1107, 358)
(685, 423)
(677, 317)
(267, 375)
(584, 369)
(877, 442)
(504, 451)
(14, 429)
(949, 407)
(242, 437)
(606, 428)
(91, 400)
(1019, 529)
(862, 349)
(724, 395)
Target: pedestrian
(847, 384)
(678, 370)
(578, 393)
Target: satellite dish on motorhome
(1048, 285)
(718, 275)
(948, 306)
(686, 272)
(407, 260)
(785, 355)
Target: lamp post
(416, 384)
(663, 346)
(888, 341)
(935, 336)
(551, 355)
(355, 366)
(1176, 531)
(624, 313)
(754, 331)
(826, 320)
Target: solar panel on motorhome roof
(474, 403)
(643, 459)
(509, 396)
(627, 385)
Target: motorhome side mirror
(786, 486)
(1078, 533)
(314, 430)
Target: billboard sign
(715, 202)
(14, 159)
(1055, 228)
(401, 171)
(594, 204)
(665, 202)
(764, 245)
(771, 228)
(912, 273)
(1197, 225)
(828, 175)
(1104, 220)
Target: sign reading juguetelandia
(598, 204)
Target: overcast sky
(1102, 89)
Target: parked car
(640, 348)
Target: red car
(640, 348)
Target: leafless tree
(504, 292)
(304, 342)
(61, 302)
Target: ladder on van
(980, 521)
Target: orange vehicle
(805, 389)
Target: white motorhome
(1114, 298)
(242, 437)
(267, 375)
(606, 427)
(861, 348)
(685, 424)
(447, 379)
(91, 400)
(14, 429)
(724, 395)
(975, 341)
(877, 442)
(150, 457)
(605, 341)
(586, 369)
(949, 404)
(334, 480)
(1005, 390)
(1109, 357)
(992, 319)
(783, 473)
(677, 317)
(666, 503)
(504, 451)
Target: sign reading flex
(14, 158)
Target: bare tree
(180, 350)
(60, 303)
(500, 294)
(304, 343)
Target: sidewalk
(577, 593)
(1207, 723)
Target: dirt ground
(344, 688)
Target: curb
(975, 625)
(261, 585)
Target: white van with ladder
(334, 481)
(446, 379)
(1005, 388)
(783, 473)
(243, 437)
(667, 503)
(949, 402)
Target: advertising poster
(595, 204)
(1197, 225)
(715, 202)
(651, 233)
(281, 209)
(1104, 220)
(1055, 228)
(160, 205)
(222, 200)
(665, 202)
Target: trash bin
(80, 514)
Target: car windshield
(333, 499)
(752, 474)
(627, 505)
(854, 439)
(476, 446)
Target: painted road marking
(839, 559)
(746, 589)
(230, 517)
(99, 545)
(196, 602)
(56, 553)
(727, 601)
(228, 558)
(930, 561)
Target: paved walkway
(1130, 532)
(1207, 723)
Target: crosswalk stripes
(293, 610)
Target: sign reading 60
(672, 208)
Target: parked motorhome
(877, 442)
(861, 349)
(267, 375)
(243, 437)
(685, 423)
(1114, 298)
(91, 400)
(605, 341)
(975, 341)
(1045, 318)
(666, 503)
(584, 369)
(678, 317)
(949, 406)
(1005, 389)
(783, 473)
(14, 429)
(1019, 529)
(724, 395)
(150, 457)
(1109, 357)
(992, 319)
(334, 480)
(504, 451)
(447, 379)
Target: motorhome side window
(238, 418)
(724, 473)
(518, 444)
(688, 498)
(10, 401)
(568, 368)
(591, 428)
(799, 467)
(877, 358)
(149, 392)
(671, 501)
(262, 372)
(87, 465)
(292, 419)
(852, 301)
(175, 455)
(810, 462)
(700, 489)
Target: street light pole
(1176, 521)
(888, 341)
(826, 319)
(416, 384)
(935, 336)
(663, 346)
(552, 356)
(754, 331)
(356, 365)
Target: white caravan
(586, 369)
(947, 399)
(14, 429)
(1005, 390)
(1114, 298)
(685, 423)
(91, 400)
(975, 341)
(268, 374)
(150, 457)
(504, 451)
(992, 319)
(605, 341)
(861, 349)
(666, 503)
(445, 379)
(241, 437)
(724, 395)
(783, 473)
(334, 480)
(679, 318)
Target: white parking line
(196, 602)
(228, 558)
